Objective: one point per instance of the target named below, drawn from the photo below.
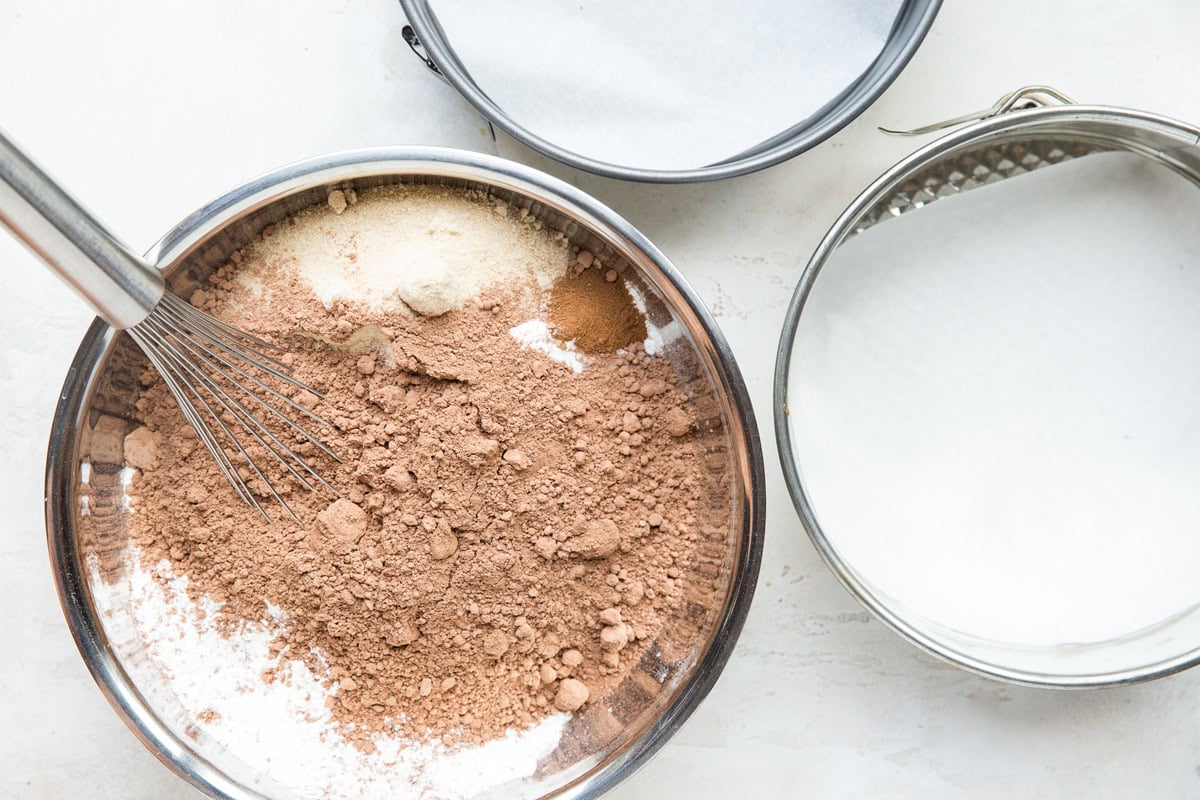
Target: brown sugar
(507, 536)
(596, 313)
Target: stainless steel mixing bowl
(87, 523)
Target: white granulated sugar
(212, 686)
(427, 249)
(657, 337)
(535, 334)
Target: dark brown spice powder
(598, 314)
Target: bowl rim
(1150, 135)
(69, 573)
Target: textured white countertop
(148, 110)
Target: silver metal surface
(600, 747)
(1023, 98)
(200, 359)
(912, 23)
(1008, 143)
(114, 280)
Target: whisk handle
(118, 283)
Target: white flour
(427, 249)
(535, 335)
(204, 683)
(656, 337)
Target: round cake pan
(87, 526)
(426, 37)
(1026, 131)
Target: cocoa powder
(507, 536)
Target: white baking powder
(209, 686)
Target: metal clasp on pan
(1025, 97)
(414, 44)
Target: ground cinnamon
(594, 309)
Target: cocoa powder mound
(507, 537)
(594, 309)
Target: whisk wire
(193, 316)
(212, 356)
(200, 353)
(186, 319)
(198, 357)
(191, 414)
(184, 393)
(190, 319)
(237, 445)
(240, 414)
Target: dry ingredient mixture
(508, 534)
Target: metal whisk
(209, 367)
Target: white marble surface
(150, 109)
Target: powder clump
(141, 448)
(430, 288)
(337, 201)
(343, 521)
(571, 695)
